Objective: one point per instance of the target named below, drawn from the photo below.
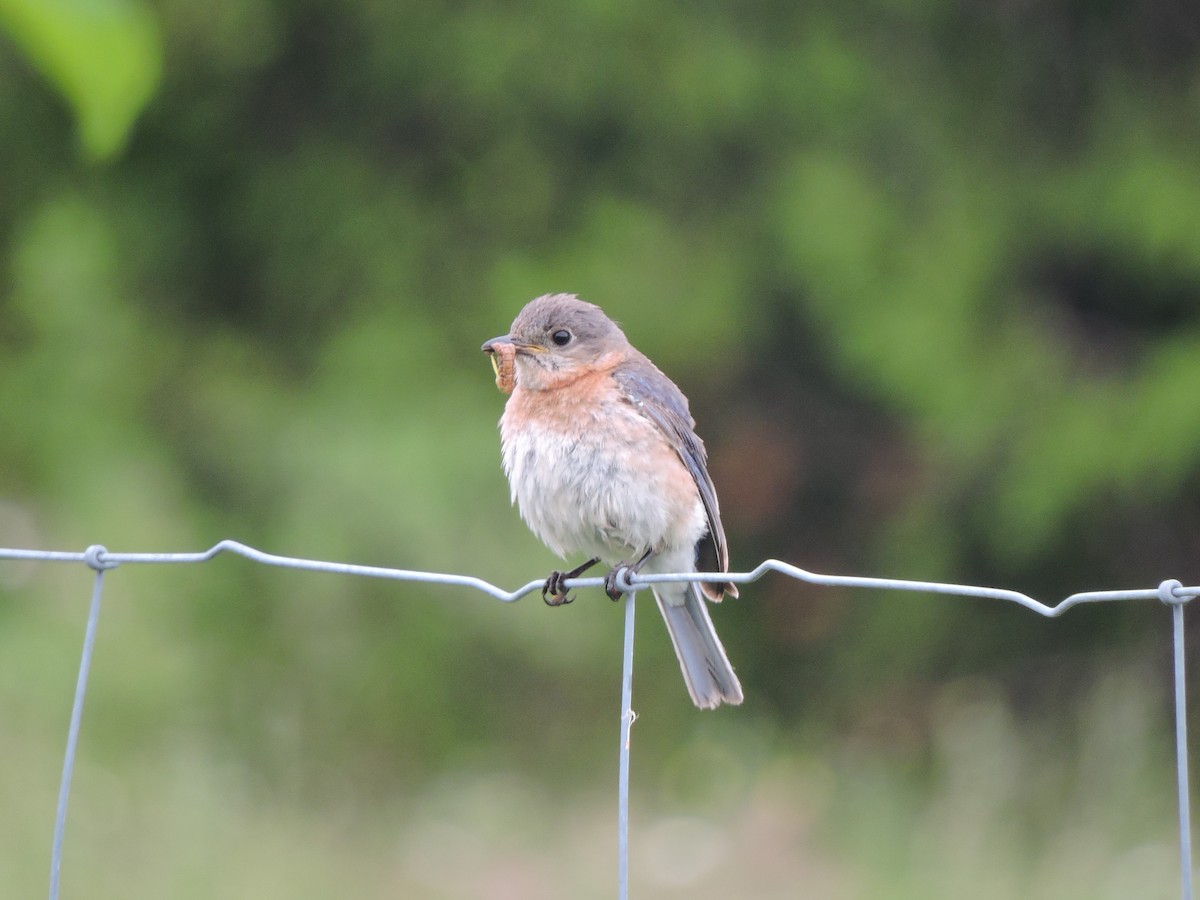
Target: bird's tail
(706, 669)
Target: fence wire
(99, 559)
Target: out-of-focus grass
(1042, 809)
(977, 802)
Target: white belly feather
(583, 494)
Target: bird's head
(555, 339)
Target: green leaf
(103, 56)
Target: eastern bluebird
(600, 453)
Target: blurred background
(929, 273)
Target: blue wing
(643, 385)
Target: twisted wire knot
(1167, 593)
(95, 555)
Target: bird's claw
(554, 586)
(614, 578)
(553, 592)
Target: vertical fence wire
(627, 717)
(64, 790)
(1181, 755)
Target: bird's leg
(610, 580)
(554, 584)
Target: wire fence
(100, 560)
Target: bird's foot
(620, 574)
(615, 576)
(554, 593)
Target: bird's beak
(519, 346)
(490, 346)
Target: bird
(603, 460)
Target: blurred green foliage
(104, 56)
(929, 272)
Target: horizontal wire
(100, 558)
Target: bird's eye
(561, 338)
